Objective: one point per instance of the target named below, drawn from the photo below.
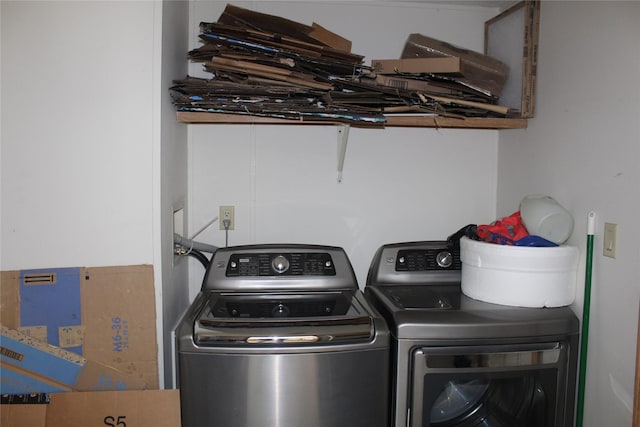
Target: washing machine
(282, 336)
(461, 362)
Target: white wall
(89, 175)
(77, 121)
(583, 148)
(78, 178)
(171, 176)
(80, 152)
(399, 184)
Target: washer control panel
(427, 260)
(279, 267)
(280, 264)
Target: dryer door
(497, 386)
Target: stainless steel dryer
(281, 336)
(462, 362)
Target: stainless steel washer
(462, 362)
(281, 336)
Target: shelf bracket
(343, 138)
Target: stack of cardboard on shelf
(459, 79)
(264, 65)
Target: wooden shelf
(392, 121)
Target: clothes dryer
(461, 362)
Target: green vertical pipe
(584, 336)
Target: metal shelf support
(343, 138)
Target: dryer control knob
(444, 259)
(280, 264)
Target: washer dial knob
(444, 259)
(280, 310)
(280, 264)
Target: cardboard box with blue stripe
(98, 326)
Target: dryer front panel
(490, 386)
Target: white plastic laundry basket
(519, 275)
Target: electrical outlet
(228, 213)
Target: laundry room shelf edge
(392, 121)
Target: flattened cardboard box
(105, 314)
(480, 71)
(415, 85)
(148, 408)
(445, 65)
(28, 365)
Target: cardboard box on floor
(147, 408)
(28, 365)
(105, 314)
(23, 415)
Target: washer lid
(283, 319)
(432, 297)
(470, 319)
(255, 305)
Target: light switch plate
(610, 244)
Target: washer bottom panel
(330, 389)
